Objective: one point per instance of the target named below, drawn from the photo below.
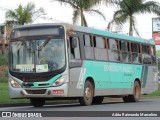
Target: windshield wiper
(44, 43)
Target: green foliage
(3, 59)
(128, 8)
(158, 53)
(81, 6)
(24, 14)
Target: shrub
(3, 59)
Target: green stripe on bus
(50, 82)
(121, 36)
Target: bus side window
(74, 48)
(125, 51)
(145, 54)
(135, 53)
(99, 48)
(113, 51)
(88, 47)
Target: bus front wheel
(87, 94)
(37, 102)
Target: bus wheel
(37, 102)
(136, 93)
(87, 95)
(97, 100)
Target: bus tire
(37, 102)
(136, 93)
(97, 100)
(126, 99)
(87, 94)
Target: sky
(63, 13)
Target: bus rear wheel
(87, 95)
(136, 94)
(37, 102)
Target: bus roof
(112, 35)
(95, 31)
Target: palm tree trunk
(130, 25)
(82, 17)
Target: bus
(58, 61)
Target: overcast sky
(64, 14)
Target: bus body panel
(75, 88)
(149, 79)
(119, 78)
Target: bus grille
(36, 91)
(36, 79)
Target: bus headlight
(60, 81)
(14, 83)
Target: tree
(158, 53)
(127, 9)
(22, 15)
(81, 6)
(158, 59)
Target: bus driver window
(74, 52)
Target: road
(143, 105)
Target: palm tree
(24, 14)
(81, 6)
(129, 8)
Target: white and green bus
(62, 61)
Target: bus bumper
(50, 92)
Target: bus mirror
(74, 42)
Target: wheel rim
(137, 92)
(88, 93)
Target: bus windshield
(37, 54)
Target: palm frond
(149, 7)
(11, 14)
(30, 7)
(72, 3)
(96, 12)
(92, 3)
(120, 17)
(22, 14)
(111, 2)
(109, 27)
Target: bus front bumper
(50, 92)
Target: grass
(154, 94)
(4, 95)
(3, 79)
